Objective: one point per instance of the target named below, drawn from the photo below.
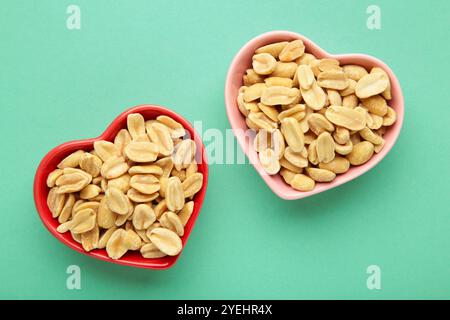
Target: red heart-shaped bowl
(243, 61)
(51, 160)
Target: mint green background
(58, 85)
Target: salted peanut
(166, 164)
(293, 134)
(344, 149)
(176, 129)
(241, 103)
(338, 165)
(251, 107)
(305, 76)
(82, 205)
(390, 117)
(302, 182)
(150, 251)
(312, 153)
(314, 65)
(186, 212)
(386, 93)
(90, 191)
(297, 112)
(321, 175)
(117, 201)
(298, 159)
(264, 63)
(270, 111)
(354, 72)
(72, 180)
(279, 95)
(106, 150)
(105, 216)
(160, 135)
(273, 49)
(336, 80)
(160, 208)
(306, 58)
(114, 167)
(285, 70)
(139, 197)
(370, 136)
(143, 216)
(334, 98)
(174, 194)
(163, 186)
(89, 239)
(314, 97)
(55, 202)
(262, 140)
(350, 88)
(192, 184)
(91, 164)
(373, 121)
(304, 122)
(254, 92)
(376, 105)
(72, 160)
(191, 169)
(325, 147)
(133, 240)
(380, 146)
(53, 176)
(117, 245)
(350, 101)
(136, 125)
(66, 211)
(122, 139)
(351, 119)
(184, 154)
(145, 183)
(287, 175)
(361, 153)
(172, 222)
(166, 241)
(277, 143)
(269, 161)
(76, 237)
(292, 51)
(318, 124)
(261, 121)
(341, 135)
(328, 64)
(251, 124)
(83, 221)
(371, 85)
(278, 81)
(122, 183)
(146, 169)
(251, 77)
(142, 151)
(105, 236)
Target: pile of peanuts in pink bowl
(319, 120)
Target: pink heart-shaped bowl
(243, 61)
(51, 160)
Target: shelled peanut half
(134, 193)
(314, 118)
